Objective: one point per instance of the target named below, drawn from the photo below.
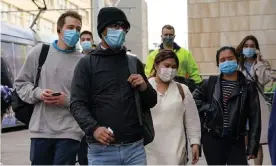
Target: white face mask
(167, 74)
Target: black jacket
(242, 105)
(102, 96)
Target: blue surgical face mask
(249, 52)
(86, 45)
(115, 38)
(71, 37)
(168, 40)
(228, 67)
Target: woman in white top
(258, 70)
(174, 119)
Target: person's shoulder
(154, 53)
(85, 59)
(37, 48)
(184, 51)
(77, 55)
(35, 51)
(184, 87)
(129, 53)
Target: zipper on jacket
(222, 112)
(240, 113)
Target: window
(50, 2)
(46, 26)
(72, 6)
(20, 55)
(85, 16)
(30, 19)
(4, 7)
(13, 15)
(7, 52)
(18, 19)
(61, 4)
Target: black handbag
(145, 118)
(23, 111)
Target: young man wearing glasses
(103, 101)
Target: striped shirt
(227, 88)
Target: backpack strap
(42, 59)
(132, 66)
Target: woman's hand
(259, 56)
(195, 153)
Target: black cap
(110, 15)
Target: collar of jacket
(241, 78)
(176, 47)
(88, 52)
(100, 50)
(239, 86)
(62, 50)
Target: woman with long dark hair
(258, 70)
(175, 116)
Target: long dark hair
(240, 48)
(161, 56)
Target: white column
(96, 5)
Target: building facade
(22, 13)
(216, 23)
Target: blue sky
(161, 12)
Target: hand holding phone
(56, 94)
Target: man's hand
(251, 157)
(46, 94)
(103, 135)
(136, 80)
(195, 153)
(47, 97)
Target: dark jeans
(222, 151)
(47, 151)
(82, 154)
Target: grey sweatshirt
(49, 121)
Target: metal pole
(96, 6)
(37, 16)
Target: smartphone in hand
(56, 94)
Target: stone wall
(216, 23)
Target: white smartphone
(109, 129)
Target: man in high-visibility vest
(187, 65)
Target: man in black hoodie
(103, 98)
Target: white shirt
(169, 114)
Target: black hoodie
(102, 96)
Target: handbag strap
(181, 91)
(254, 80)
(42, 59)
